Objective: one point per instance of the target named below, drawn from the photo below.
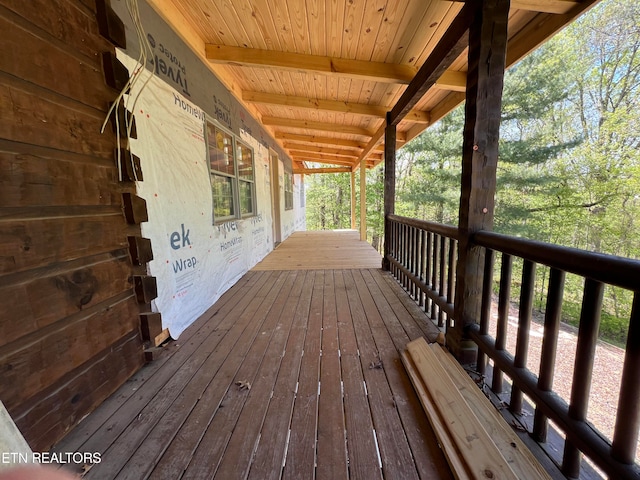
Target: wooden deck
(292, 374)
(322, 250)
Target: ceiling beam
(311, 125)
(452, 80)
(319, 149)
(363, 70)
(321, 156)
(378, 111)
(375, 140)
(448, 49)
(307, 171)
(315, 139)
(543, 6)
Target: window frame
(236, 206)
(288, 193)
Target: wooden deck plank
(268, 460)
(361, 445)
(391, 339)
(414, 319)
(246, 434)
(322, 250)
(397, 460)
(220, 391)
(301, 455)
(332, 451)
(187, 377)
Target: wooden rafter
(311, 125)
(316, 139)
(308, 171)
(375, 71)
(543, 6)
(312, 156)
(378, 111)
(452, 80)
(320, 149)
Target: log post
(353, 200)
(487, 55)
(389, 185)
(363, 200)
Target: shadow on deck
(293, 373)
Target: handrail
(448, 231)
(610, 269)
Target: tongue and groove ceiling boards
(320, 75)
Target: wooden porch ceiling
(320, 76)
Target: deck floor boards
(308, 342)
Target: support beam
(446, 51)
(375, 140)
(544, 6)
(389, 187)
(317, 139)
(353, 200)
(487, 62)
(311, 125)
(454, 81)
(309, 171)
(363, 70)
(378, 111)
(303, 147)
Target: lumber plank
(458, 467)
(481, 456)
(515, 452)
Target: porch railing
(422, 256)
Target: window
(245, 178)
(232, 175)
(288, 191)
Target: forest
(569, 165)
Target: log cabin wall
(69, 318)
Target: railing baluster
(503, 316)
(429, 267)
(583, 368)
(485, 309)
(625, 436)
(441, 283)
(434, 274)
(422, 264)
(405, 261)
(552, 316)
(414, 288)
(524, 325)
(451, 277)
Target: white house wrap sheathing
(194, 260)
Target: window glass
(222, 188)
(220, 150)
